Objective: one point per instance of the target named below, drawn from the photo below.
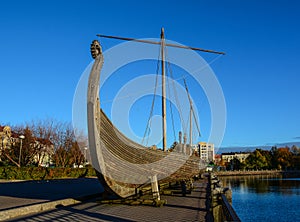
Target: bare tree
(68, 152)
(44, 139)
(77, 158)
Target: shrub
(41, 173)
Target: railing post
(154, 186)
(221, 199)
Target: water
(265, 198)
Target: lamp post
(85, 160)
(21, 137)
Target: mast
(163, 82)
(191, 124)
(192, 114)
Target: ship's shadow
(24, 193)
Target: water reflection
(259, 198)
(263, 184)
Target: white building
(206, 151)
(241, 156)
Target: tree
(268, 156)
(295, 150)
(10, 156)
(284, 158)
(45, 139)
(77, 158)
(29, 148)
(61, 157)
(236, 164)
(45, 151)
(256, 160)
(22, 156)
(274, 157)
(67, 151)
(296, 162)
(34, 148)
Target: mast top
(162, 33)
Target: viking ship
(123, 165)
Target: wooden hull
(121, 164)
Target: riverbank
(258, 172)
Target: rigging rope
(146, 90)
(185, 125)
(148, 126)
(173, 126)
(191, 104)
(175, 94)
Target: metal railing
(228, 212)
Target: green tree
(236, 164)
(256, 161)
(268, 156)
(274, 157)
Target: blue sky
(44, 48)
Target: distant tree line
(284, 158)
(44, 138)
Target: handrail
(228, 212)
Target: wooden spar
(159, 43)
(163, 83)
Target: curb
(40, 207)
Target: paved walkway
(22, 193)
(193, 207)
